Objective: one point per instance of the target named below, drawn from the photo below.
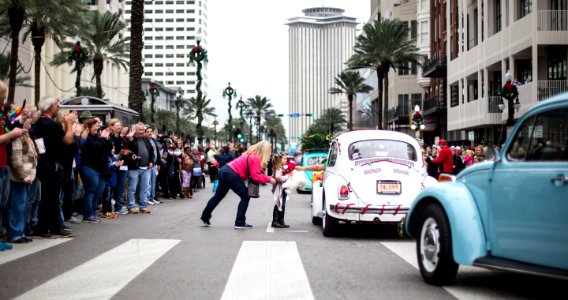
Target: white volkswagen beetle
(372, 176)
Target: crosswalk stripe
(270, 228)
(268, 270)
(92, 280)
(21, 250)
(407, 251)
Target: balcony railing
(549, 88)
(435, 66)
(553, 20)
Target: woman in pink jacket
(232, 176)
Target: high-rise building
(171, 30)
(320, 44)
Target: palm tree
(274, 126)
(331, 121)
(5, 70)
(350, 83)
(136, 45)
(384, 44)
(15, 10)
(260, 105)
(56, 18)
(198, 107)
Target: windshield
(314, 160)
(382, 148)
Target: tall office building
(320, 44)
(171, 28)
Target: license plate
(388, 187)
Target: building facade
(58, 81)
(320, 43)
(527, 39)
(171, 30)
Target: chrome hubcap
(429, 244)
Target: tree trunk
(136, 45)
(38, 40)
(379, 108)
(385, 100)
(350, 124)
(16, 17)
(98, 66)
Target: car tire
(434, 247)
(329, 223)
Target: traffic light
(310, 115)
(238, 133)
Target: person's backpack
(197, 170)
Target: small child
(280, 173)
(110, 184)
(186, 170)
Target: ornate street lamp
(153, 92)
(179, 104)
(229, 92)
(417, 121)
(215, 123)
(78, 55)
(510, 93)
(249, 113)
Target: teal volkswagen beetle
(509, 213)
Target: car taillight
(318, 176)
(343, 192)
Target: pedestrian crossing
(92, 280)
(261, 270)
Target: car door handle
(559, 180)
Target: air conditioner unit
(399, 2)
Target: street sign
(294, 115)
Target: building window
(413, 27)
(159, 29)
(179, 46)
(159, 38)
(424, 5)
(159, 64)
(159, 56)
(169, 56)
(160, 20)
(148, 56)
(556, 62)
(169, 82)
(497, 16)
(159, 11)
(148, 65)
(424, 32)
(159, 73)
(149, 74)
(180, 73)
(407, 69)
(180, 55)
(169, 11)
(180, 20)
(169, 20)
(179, 11)
(180, 65)
(525, 7)
(169, 46)
(148, 47)
(148, 38)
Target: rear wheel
(329, 223)
(434, 247)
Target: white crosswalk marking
(21, 250)
(92, 280)
(407, 251)
(268, 270)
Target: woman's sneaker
(91, 220)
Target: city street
(168, 255)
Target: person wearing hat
(85, 115)
(445, 158)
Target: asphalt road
(168, 255)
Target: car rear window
(382, 148)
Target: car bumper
(369, 213)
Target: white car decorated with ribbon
(372, 176)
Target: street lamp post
(417, 121)
(249, 113)
(510, 93)
(178, 103)
(215, 123)
(78, 55)
(153, 92)
(229, 92)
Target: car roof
(345, 139)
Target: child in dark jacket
(110, 179)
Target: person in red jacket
(444, 159)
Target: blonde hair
(60, 118)
(3, 89)
(262, 149)
(113, 121)
(276, 162)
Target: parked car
(310, 159)
(372, 176)
(507, 213)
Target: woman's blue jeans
(94, 184)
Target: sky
(247, 44)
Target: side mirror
(492, 154)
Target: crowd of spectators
(59, 167)
(442, 158)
